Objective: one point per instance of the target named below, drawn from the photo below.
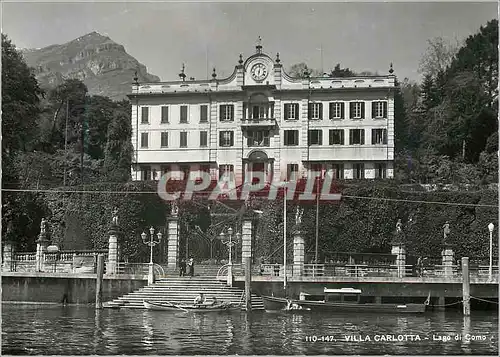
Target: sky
(203, 35)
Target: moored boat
(168, 306)
(339, 300)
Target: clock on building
(259, 72)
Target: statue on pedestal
(114, 219)
(298, 216)
(398, 234)
(175, 209)
(446, 231)
(399, 227)
(43, 227)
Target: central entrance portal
(257, 163)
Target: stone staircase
(183, 290)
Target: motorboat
(339, 300)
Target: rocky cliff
(102, 64)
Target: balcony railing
(258, 122)
(264, 142)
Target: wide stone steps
(183, 290)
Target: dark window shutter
(362, 110)
(385, 109)
(342, 137)
(287, 108)
(351, 136)
(204, 113)
(232, 138)
(285, 139)
(320, 137)
(221, 112)
(221, 135)
(297, 115)
(385, 136)
(320, 111)
(362, 136)
(351, 110)
(330, 110)
(342, 111)
(374, 110)
(296, 137)
(309, 111)
(164, 114)
(232, 112)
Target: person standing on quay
(191, 267)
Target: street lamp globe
(152, 231)
(160, 235)
(491, 227)
(230, 231)
(222, 235)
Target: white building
(261, 119)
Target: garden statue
(446, 230)
(298, 215)
(399, 227)
(175, 209)
(43, 226)
(115, 216)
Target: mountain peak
(102, 64)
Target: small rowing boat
(168, 306)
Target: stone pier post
(298, 253)
(172, 242)
(8, 256)
(246, 239)
(112, 263)
(399, 250)
(448, 257)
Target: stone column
(172, 242)
(8, 256)
(41, 247)
(448, 257)
(399, 250)
(298, 253)
(112, 263)
(246, 239)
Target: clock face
(259, 72)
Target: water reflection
(85, 331)
(147, 324)
(466, 331)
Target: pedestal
(41, 247)
(8, 256)
(151, 274)
(172, 243)
(298, 254)
(448, 256)
(112, 263)
(230, 275)
(399, 250)
(246, 239)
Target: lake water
(82, 330)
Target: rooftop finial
(278, 57)
(136, 79)
(182, 75)
(259, 45)
(240, 61)
(391, 70)
(214, 75)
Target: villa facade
(262, 119)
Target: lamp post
(491, 227)
(151, 243)
(230, 244)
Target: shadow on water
(85, 331)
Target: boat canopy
(342, 291)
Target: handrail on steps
(220, 272)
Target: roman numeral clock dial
(259, 72)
